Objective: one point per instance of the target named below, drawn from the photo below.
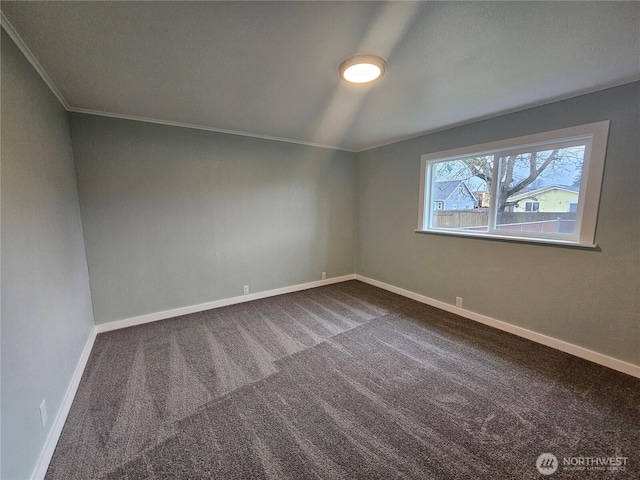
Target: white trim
(175, 312)
(48, 449)
(56, 429)
(11, 31)
(591, 183)
(593, 136)
(508, 238)
(15, 36)
(590, 355)
(170, 123)
(502, 113)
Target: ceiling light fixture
(362, 69)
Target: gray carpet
(345, 381)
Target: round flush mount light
(362, 69)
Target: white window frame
(593, 135)
(532, 203)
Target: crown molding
(15, 36)
(170, 123)
(502, 113)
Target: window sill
(506, 238)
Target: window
(541, 188)
(532, 207)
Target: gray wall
(46, 305)
(588, 298)
(175, 217)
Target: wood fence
(479, 217)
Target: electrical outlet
(459, 302)
(324, 275)
(43, 413)
(245, 289)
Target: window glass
(546, 187)
(536, 189)
(461, 181)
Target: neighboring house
(453, 195)
(552, 198)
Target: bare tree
(516, 172)
(509, 183)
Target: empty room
(320, 240)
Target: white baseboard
(54, 434)
(614, 363)
(175, 312)
(44, 459)
(49, 447)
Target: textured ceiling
(270, 69)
